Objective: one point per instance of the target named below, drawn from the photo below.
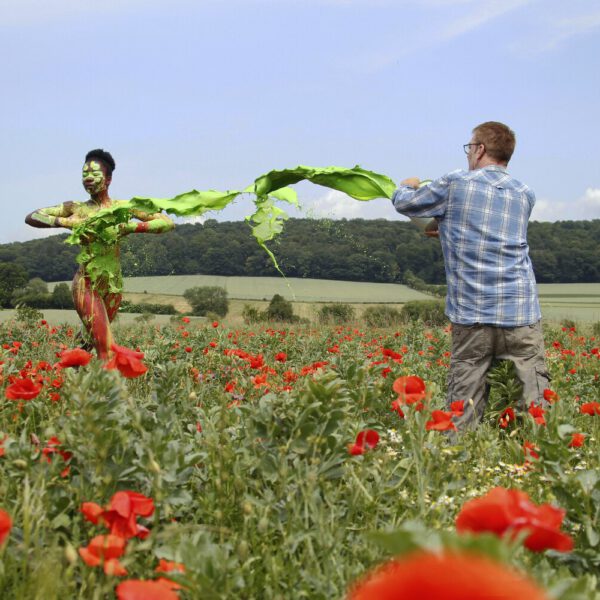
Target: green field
(559, 301)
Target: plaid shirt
(483, 216)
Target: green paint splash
(100, 233)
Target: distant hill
(378, 251)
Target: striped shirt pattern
(483, 216)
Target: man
(492, 302)
(97, 293)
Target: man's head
(97, 171)
(492, 143)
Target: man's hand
(413, 182)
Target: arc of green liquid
(266, 221)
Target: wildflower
(507, 416)
(5, 525)
(537, 412)
(531, 450)
(588, 408)
(457, 408)
(185, 319)
(440, 421)
(74, 358)
(508, 512)
(127, 361)
(368, 438)
(166, 566)
(140, 589)
(215, 324)
(105, 549)
(577, 440)
(121, 514)
(449, 576)
(550, 396)
(410, 390)
(397, 407)
(23, 389)
(281, 357)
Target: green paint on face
(93, 177)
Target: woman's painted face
(94, 177)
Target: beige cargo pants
(474, 347)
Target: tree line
(353, 250)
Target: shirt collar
(495, 168)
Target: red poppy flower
(127, 361)
(537, 412)
(530, 450)
(368, 438)
(397, 407)
(281, 357)
(140, 589)
(507, 416)
(590, 408)
(121, 514)
(167, 566)
(215, 324)
(5, 525)
(440, 421)
(550, 396)
(77, 357)
(577, 440)
(457, 408)
(22, 389)
(105, 550)
(508, 512)
(447, 577)
(410, 389)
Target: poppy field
(204, 461)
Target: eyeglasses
(466, 147)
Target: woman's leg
(90, 307)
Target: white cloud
(557, 30)
(337, 205)
(585, 207)
(474, 16)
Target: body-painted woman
(97, 296)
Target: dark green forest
(354, 250)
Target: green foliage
(61, 296)
(252, 315)
(146, 307)
(381, 316)
(596, 329)
(416, 283)
(34, 294)
(245, 453)
(430, 312)
(280, 309)
(12, 277)
(337, 313)
(207, 299)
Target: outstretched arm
(147, 223)
(53, 216)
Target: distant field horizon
(559, 301)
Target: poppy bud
(242, 550)
(20, 463)
(154, 466)
(70, 554)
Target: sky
(210, 94)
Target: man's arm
(147, 223)
(426, 201)
(52, 216)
